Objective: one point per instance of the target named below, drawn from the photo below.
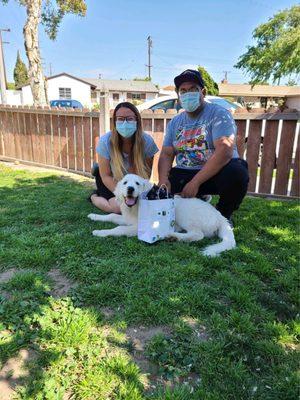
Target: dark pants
(230, 184)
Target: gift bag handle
(166, 187)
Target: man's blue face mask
(126, 128)
(190, 101)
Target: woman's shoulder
(105, 138)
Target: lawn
(114, 318)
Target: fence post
(104, 114)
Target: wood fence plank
(18, 151)
(28, 145)
(268, 156)
(95, 135)
(240, 138)
(71, 142)
(56, 141)
(295, 190)
(48, 140)
(285, 157)
(87, 143)
(63, 142)
(79, 142)
(252, 154)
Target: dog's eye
(137, 183)
(125, 183)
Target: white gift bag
(156, 218)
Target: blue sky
(112, 39)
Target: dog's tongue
(130, 201)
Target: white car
(171, 102)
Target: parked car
(171, 102)
(66, 104)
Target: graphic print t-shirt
(192, 138)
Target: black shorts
(102, 190)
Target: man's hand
(190, 189)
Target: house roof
(64, 74)
(232, 89)
(122, 85)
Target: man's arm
(165, 164)
(221, 156)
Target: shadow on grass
(246, 298)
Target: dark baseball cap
(189, 75)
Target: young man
(202, 138)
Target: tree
(20, 72)
(146, 79)
(211, 86)
(50, 13)
(277, 52)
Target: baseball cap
(189, 75)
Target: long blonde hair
(137, 156)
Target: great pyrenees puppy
(195, 219)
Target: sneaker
(206, 197)
(230, 222)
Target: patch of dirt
(13, 372)
(7, 275)
(62, 285)
(199, 331)
(107, 312)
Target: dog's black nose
(130, 189)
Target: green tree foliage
(20, 72)
(211, 86)
(277, 51)
(54, 11)
(146, 79)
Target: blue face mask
(190, 101)
(126, 128)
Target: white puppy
(197, 218)
(127, 192)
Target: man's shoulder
(178, 118)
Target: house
(261, 95)
(88, 91)
(122, 90)
(63, 86)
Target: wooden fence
(66, 139)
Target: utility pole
(50, 69)
(149, 56)
(2, 69)
(226, 73)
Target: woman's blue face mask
(190, 101)
(126, 128)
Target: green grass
(247, 300)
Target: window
(163, 105)
(116, 96)
(136, 96)
(65, 93)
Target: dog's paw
(94, 217)
(209, 253)
(99, 233)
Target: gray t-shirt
(103, 148)
(192, 138)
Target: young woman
(124, 149)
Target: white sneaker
(207, 198)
